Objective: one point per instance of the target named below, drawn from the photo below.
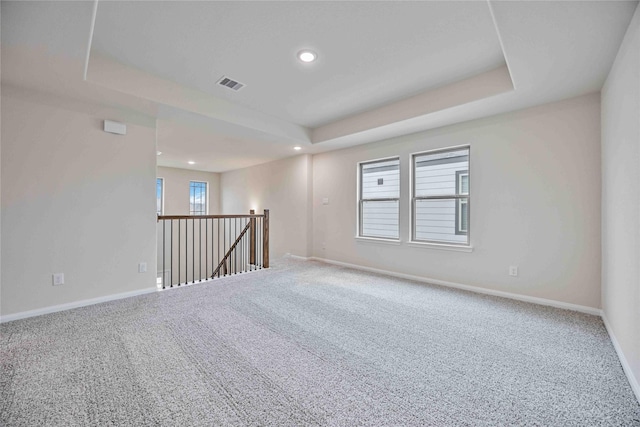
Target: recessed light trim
(191, 162)
(307, 56)
(297, 148)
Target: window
(440, 199)
(379, 198)
(159, 196)
(197, 198)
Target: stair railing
(193, 248)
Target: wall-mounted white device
(115, 127)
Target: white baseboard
(525, 298)
(304, 258)
(633, 381)
(75, 304)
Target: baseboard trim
(633, 381)
(106, 298)
(304, 258)
(75, 304)
(518, 297)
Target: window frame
(457, 197)
(206, 195)
(161, 196)
(360, 200)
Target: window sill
(441, 246)
(395, 242)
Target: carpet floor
(310, 344)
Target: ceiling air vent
(230, 83)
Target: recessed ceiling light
(159, 152)
(297, 147)
(307, 56)
(191, 162)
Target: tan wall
(535, 204)
(284, 188)
(75, 200)
(176, 189)
(621, 198)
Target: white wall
(75, 200)
(283, 187)
(535, 203)
(621, 199)
(0, 209)
(176, 189)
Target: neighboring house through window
(197, 198)
(462, 206)
(379, 198)
(159, 196)
(440, 199)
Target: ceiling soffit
(549, 51)
(456, 59)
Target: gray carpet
(308, 344)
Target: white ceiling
(369, 53)
(384, 68)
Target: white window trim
(358, 235)
(461, 247)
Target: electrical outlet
(58, 279)
(142, 267)
(325, 200)
(513, 270)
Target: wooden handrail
(209, 237)
(169, 217)
(228, 254)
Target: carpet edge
(525, 298)
(75, 304)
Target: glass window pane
(435, 174)
(381, 180)
(437, 220)
(198, 198)
(464, 184)
(159, 183)
(380, 219)
(463, 216)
